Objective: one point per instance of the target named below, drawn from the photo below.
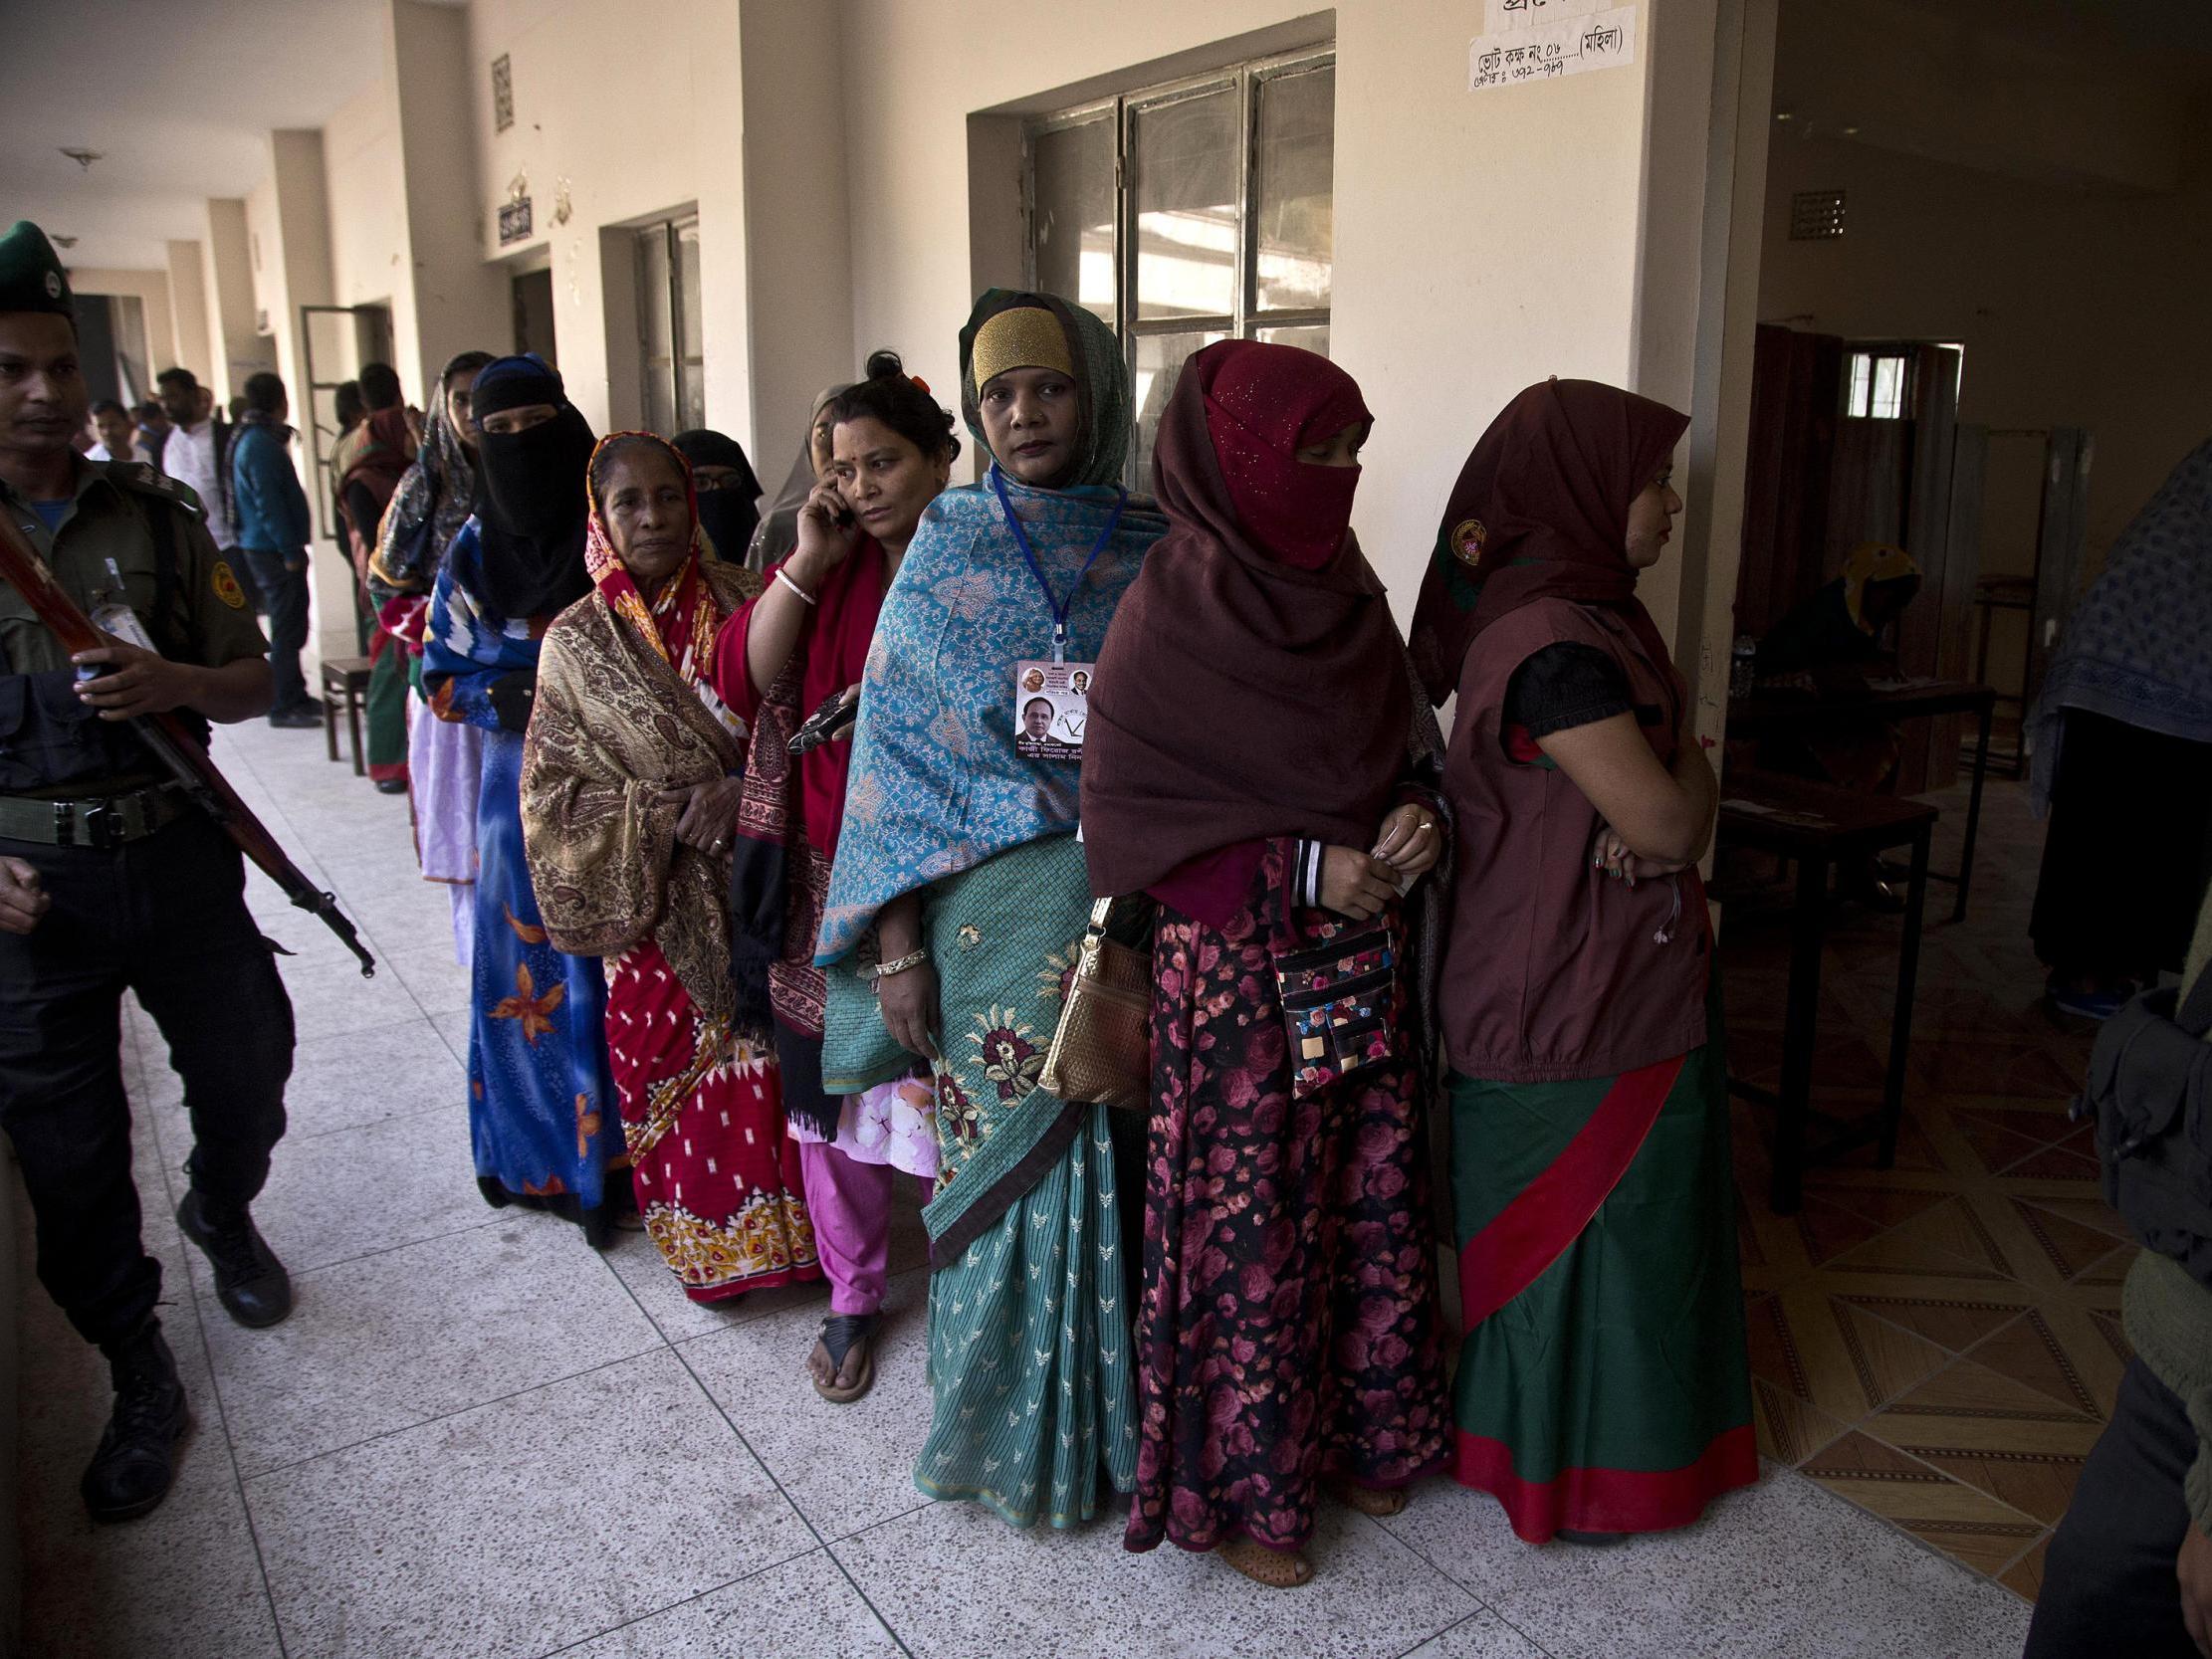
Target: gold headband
(1024, 337)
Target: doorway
(339, 341)
(532, 295)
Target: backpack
(2149, 1090)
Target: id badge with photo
(1052, 706)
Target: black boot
(130, 1473)
(250, 1282)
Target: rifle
(173, 744)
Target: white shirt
(189, 457)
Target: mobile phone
(833, 720)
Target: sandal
(1278, 1570)
(840, 1332)
(1382, 1502)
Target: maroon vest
(1553, 970)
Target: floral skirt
(1287, 1330)
(716, 1179)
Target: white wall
(634, 125)
(1483, 240)
(364, 188)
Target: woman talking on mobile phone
(796, 650)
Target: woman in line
(629, 800)
(798, 648)
(959, 871)
(390, 441)
(729, 494)
(540, 1100)
(2121, 739)
(778, 535)
(444, 760)
(1254, 752)
(1603, 1386)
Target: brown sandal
(1278, 1570)
(840, 1334)
(1382, 1502)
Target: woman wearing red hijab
(1602, 1387)
(1252, 761)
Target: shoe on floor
(250, 1282)
(2088, 1005)
(298, 718)
(392, 786)
(131, 1471)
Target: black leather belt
(102, 822)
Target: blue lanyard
(1058, 607)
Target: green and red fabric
(1603, 1382)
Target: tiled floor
(1940, 1342)
(476, 1437)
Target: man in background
(273, 532)
(153, 430)
(197, 453)
(119, 433)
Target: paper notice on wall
(1540, 40)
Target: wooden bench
(1819, 827)
(344, 685)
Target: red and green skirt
(1603, 1383)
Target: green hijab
(1101, 379)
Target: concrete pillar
(234, 337)
(460, 299)
(796, 236)
(288, 232)
(188, 311)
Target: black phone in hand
(833, 720)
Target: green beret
(30, 273)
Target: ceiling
(178, 96)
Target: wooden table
(1818, 827)
(1764, 712)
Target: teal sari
(1028, 1359)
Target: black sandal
(839, 1333)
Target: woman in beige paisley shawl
(630, 796)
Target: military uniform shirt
(113, 516)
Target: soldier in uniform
(110, 879)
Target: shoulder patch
(136, 475)
(225, 583)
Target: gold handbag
(1102, 1051)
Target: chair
(344, 684)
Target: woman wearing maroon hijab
(1602, 1387)
(1251, 761)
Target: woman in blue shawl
(958, 871)
(542, 1117)
(2121, 738)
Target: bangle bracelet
(782, 577)
(913, 958)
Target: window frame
(1244, 319)
(682, 373)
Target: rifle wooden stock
(173, 744)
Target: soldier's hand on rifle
(23, 897)
(143, 683)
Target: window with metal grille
(1192, 212)
(1816, 215)
(503, 94)
(671, 347)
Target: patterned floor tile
(1955, 1518)
(2000, 1436)
(1939, 1341)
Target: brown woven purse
(1102, 1051)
